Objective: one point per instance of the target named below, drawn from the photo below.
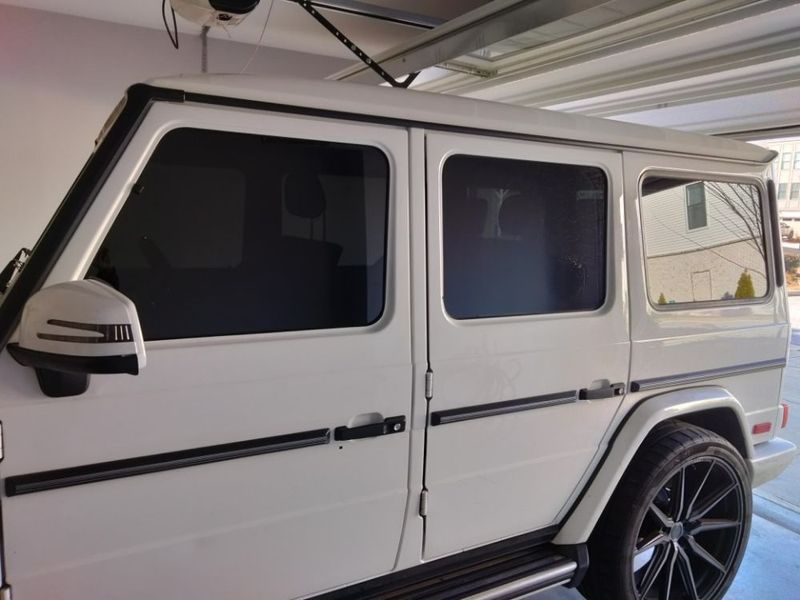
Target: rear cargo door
(705, 305)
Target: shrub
(745, 289)
(792, 263)
(662, 299)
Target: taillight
(762, 428)
(785, 417)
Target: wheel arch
(711, 407)
(724, 422)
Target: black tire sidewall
(622, 520)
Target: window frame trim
(692, 175)
(608, 238)
(153, 142)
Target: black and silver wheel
(677, 525)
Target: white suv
(398, 345)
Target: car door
(707, 309)
(529, 341)
(267, 255)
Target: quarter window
(723, 261)
(230, 233)
(522, 237)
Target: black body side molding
(116, 469)
(643, 385)
(479, 411)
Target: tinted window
(522, 237)
(228, 233)
(725, 260)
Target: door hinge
(5, 592)
(428, 384)
(2, 453)
(423, 503)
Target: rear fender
(628, 438)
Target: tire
(641, 551)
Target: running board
(501, 571)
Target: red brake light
(785, 418)
(761, 428)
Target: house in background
(786, 174)
(703, 241)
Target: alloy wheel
(691, 533)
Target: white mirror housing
(77, 328)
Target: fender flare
(627, 439)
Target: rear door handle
(607, 391)
(385, 427)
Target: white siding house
(700, 237)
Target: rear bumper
(770, 459)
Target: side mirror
(70, 330)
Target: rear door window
(522, 237)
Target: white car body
(326, 516)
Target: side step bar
(506, 570)
(544, 580)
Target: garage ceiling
(289, 26)
(708, 65)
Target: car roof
(424, 108)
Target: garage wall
(60, 77)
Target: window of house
(782, 191)
(797, 160)
(786, 159)
(726, 260)
(795, 191)
(696, 206)
(231, 233)
(522, 237)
